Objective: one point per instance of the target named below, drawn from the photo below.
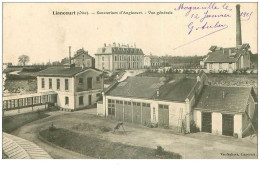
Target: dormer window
(80, 80)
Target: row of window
(220, 66)
(163, 106)
(127, 58)
(57, 84)
(23, 102)
(81, 80)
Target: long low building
(176, 104)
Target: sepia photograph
(175, 80)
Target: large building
(113, 57)
(82, 59)
(229, 59)
(181, 104)
(152, 61)
(76, 87)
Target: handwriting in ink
(205, 26)
(207, 15)
(245, 16)
(210, 6)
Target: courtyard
(195, 145)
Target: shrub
(193, 127)
(159, 150)
(52, 127)
(104, 129)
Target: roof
(177, 90)
(28, 95)
(63, 71)
(234, 99)
(146, 87)
(80, 52)
(225, 55)
(119, 50)
(138, 87)
(17, 148)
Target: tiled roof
(223, 99)
(176, 91)
(138, 87)
(146, 87)
(63, 71)
(226, 54)
(119, 50)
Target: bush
(104, 129)
(159, 150)
(193, 127)
(52, 128)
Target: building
(156, 100)
(113, 57)
(152, 61)
(82, 59)
(76, 87)
(181, 104)
(229, 59)
(225, 110)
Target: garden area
(95, 146)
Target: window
(115, 58)
(98, 78)
(210, 66)
(58, 84)
(146, 105)
(80, 80)
(98, 95)
(230, 65)
(111, 107)
(50, 83)
(67, 101)
(220, 65)
(81, 100)
(102, 58)
(43, 83)
(166, 107)
(66, 84)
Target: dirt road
(198, 145)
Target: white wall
(217, 123)
(197, 118)
(238, 124)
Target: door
(137, 113)
(89, 82)
(163, 116)
(119, 110)
(206, 122)
(146, 114)
(227, 124)
(89, 100)
(128, 111)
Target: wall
(24, 110)
(54, 84)
(225, 66)
(85, 95)
(197, 118)
(83, 60)
(217, 123)
(99, 63)
(174, 108)
(88, 74)
(238, 124)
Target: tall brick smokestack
(238, 26)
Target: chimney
(114, 44)
(230, 52)
(238, 27)
(118, 44)
(105, 44)
(70, 54)
(158, 93)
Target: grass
(93, 146)
(12, 123)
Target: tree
(65, 61)
(23, 60)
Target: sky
(33, 30)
